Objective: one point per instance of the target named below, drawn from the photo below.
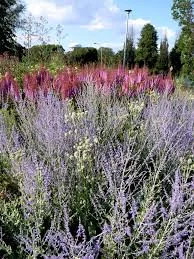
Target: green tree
(118, 59)
(107, 55)
(182, 11)
(44, 53)
(186, 47)
(130, 53)
(162, 65)
(82, 56)
(175, 59)
(147, 52)
(10, 11)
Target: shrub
(83, 56)
(100, 177)
(42, 54)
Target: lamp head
(128, 10)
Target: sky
(103, 22)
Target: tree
(107, 55)
(146, 53)
(175, 59)
(10, 11)
(130, 55)
(186, 47)
(118, 59)
(182, 11)
(130, 51)
(38, 30)
(82, 56)
(162, 65)
(44, 53)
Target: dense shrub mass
(44, 53)
(105, 174)
(82, 56)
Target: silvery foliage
(140, 195)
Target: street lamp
(96, 43)
(126, 36)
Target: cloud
(103, 13)
(78, 12)
(92, 15)
(97, 24)
(138, 23)
(114, 19)
(50, 9)
(166, 31)
(72, 44)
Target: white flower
(95, 140)
(189, 161)
(84, 156)
(73, 115)
(76, 154)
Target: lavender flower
(176, 201)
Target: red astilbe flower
(44, 80)
(30, 86)
(164, 84)
(67, 83)
(9, 87)
(39, 81)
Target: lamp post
(96, 43)
(126, 36)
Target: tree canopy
(83, 55)
(182, 11)
(175, 59)
(10, 11)
(44, 53)
(107, 55)
(162, 65)
(130, 52)
(146, 53)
